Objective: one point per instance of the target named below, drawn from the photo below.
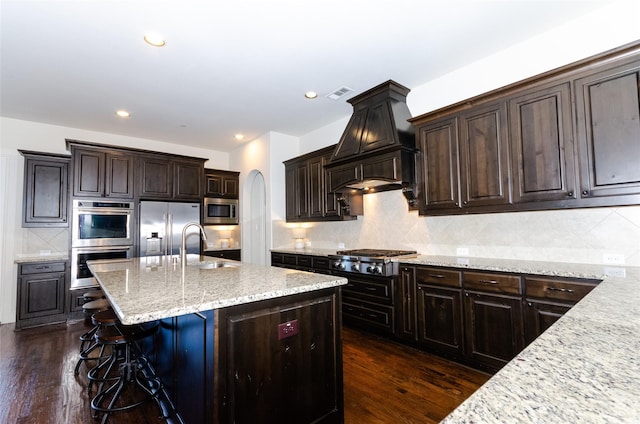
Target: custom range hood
(377, 149)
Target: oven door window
(96, 226)
(83, 269)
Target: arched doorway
(255, 243)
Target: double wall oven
(100, 230)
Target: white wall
(25, 135)
(581, 236)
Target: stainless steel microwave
(220, 211)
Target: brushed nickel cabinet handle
(560, 290)
(436, 275)
(488, 281)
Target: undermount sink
(217, 264)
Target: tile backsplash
(576, 235)
(45, 240)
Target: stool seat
(93, 295)
(105, 317)
(96, 305)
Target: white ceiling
(240, 65)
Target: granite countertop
(584, 369)
(306, 251)
(147, 289)
(22, 258)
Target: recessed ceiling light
(155, 40)
(310, 94)
(123, 113)
(239, 136)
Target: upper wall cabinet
(102, 173)
(608, 112)
(46, 193)
(542, 144)
(223, 184)
(568, 138)
(164, 177)
(308, 197)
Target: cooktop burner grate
(376, 253)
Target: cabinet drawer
(367, 313)
(321, 264)
(304, 261)
(375, 289)
(558, 289)
(289, 259)
(438, 277)
(42, 267)
(496, 283)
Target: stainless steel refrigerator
(161, 226)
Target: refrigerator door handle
(165, 218)
(171, 232)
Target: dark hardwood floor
(383, 382)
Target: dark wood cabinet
(102, 173)
(301, 262)
(222, 184)
(608, 115)
(568, 138)
(484, 156)
(542, 148)
(233, 254)
(369, 303)
(547, 299)
(164, 177)
(268, 374)
(438, 142)
(406, 302)
(493, 318)
(308, 196)
(41, 293)
(46, 183)
(439, 307)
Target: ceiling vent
(339, 93)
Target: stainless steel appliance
(161, 225)
(81, 277)
(377, 262)
(101, 223)
(220, 211)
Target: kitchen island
(237, 342)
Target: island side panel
(267, 376)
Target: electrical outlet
(287, 329)
(462, 251)
(340, 245)
(613, 259)
(615, 271)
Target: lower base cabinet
(440, 320)
(41, 293)
(272, 361)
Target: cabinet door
(40, 299)
(542, 145)
(187, 180)
(493, 329)
(297, 191)
(119, 175)
(156, 179)
(406, 304)
(440, 319)
(484, 156)
(45, 193)
(538, 316)
(438, 143)
(275, 376)
(88, 173)
(608, 115)
(316, 187)
(231, 187)
(214, 185)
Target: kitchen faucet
(183, 247)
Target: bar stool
(132, 374)
(103, 318)
(90, 308)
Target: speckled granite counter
(306, 251)
(22, 258)
(584, 369)
(146, 289)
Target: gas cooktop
(376, 253)
(369, 261)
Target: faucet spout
(183, 247)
